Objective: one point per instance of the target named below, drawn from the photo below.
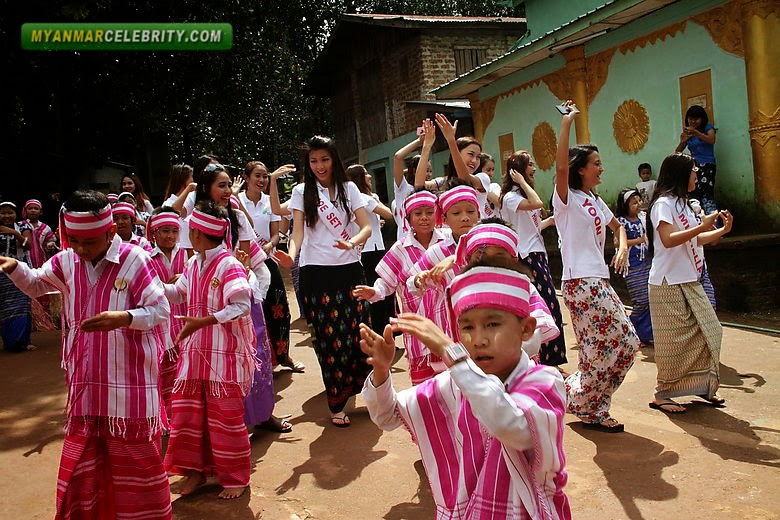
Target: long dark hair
(177, 179)
(411, 169)
(357, 174)
(311, 196)
(462, 142)
(698, 112)
(207, 178)
(518, 162)
(138, 190)
(673, 179)
(578, 158)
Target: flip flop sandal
(660, 407)
(715, 401)
(276, 425)
(340, 420)
(601, 427)
(296, 366)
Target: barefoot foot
(188, 483)
(231, 493)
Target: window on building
(467, 59)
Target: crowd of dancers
(174, 317)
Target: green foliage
(242, 104)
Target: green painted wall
(651, 76)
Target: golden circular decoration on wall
(631, 126)
(544, 145)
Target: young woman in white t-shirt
(266, 225)
(605, 335)
(323, 207)
(687, 332)
(521, 206)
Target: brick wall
(410, 64)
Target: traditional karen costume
(491, 448)
(216, 364)
(111, 464)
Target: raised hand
(238, 183)
(423, 329)
(429, 133)
(363, 292)
(282, 170)
(448, 130)
(380, 351)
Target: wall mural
(631, 126)
(544, 144)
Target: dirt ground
(707, 463)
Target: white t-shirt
(317, 247)
(375, 241)
(400, 193)
(261, 214)
(673, 264)
(527, 224)
(582, 227)
(486, 210)
(645, 189)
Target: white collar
(210, 254)
(522, 367)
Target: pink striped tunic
(394, 270)
(486, 456)
(220, 355)
(165, 270)
(434, 300)
(42, 235)
(141, 242)
(112, 376)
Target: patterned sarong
(335, 315)
(687, 340)
(607, 341)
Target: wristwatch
(456, 353)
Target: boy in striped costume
(459, 210)
(125, 218)
(396, 267)
(111, 465)
(489, 429)
(208, 435)
(168, 261)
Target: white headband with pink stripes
(490, 287)
(212, 226)
(483, 235)
(123, 208)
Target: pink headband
(452, 197)
(421, 199)
(112, 197)
(485, 235)
(84, 224)
(166, 218)
(123, 208)
(212, 226)
(31, 202)
(491, 287)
